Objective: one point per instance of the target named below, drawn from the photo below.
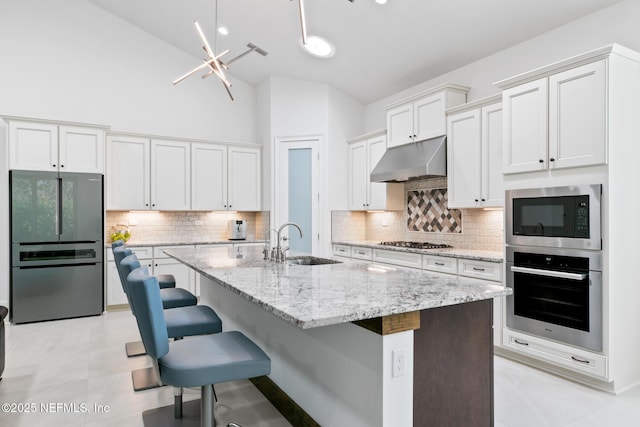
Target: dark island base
(453, 366)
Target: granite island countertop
(322, 295)
(138, 244)
(475, 254)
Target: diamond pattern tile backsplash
(427, 211)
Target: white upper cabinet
(55, 147)
(170, 175)
(208, 177)
(128, 173)
(577, 116)
(364, 154)
(422, 116)
(557, 121)
(474, 152)
(225, 177)
(244, 179)
(148, 174)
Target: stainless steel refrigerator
(56, 245)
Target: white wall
(70, 60)
(300, 108)
(616, 24)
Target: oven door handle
(549, 273)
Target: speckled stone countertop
(321, 295)
(477, 254)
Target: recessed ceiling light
(318, 47)
(381, 1)
(223, 31)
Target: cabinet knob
(153, 205)
(415, 136)
(53, 165)
(230, 206)
(476, 200)
(146, 204)
(540, 161)
(484, 200)
(61, 166)
(552, 159)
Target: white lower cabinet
(365, 254)
(558, 354)
(440, 264)
(480, 269)
(164, 264)
(404, 259)
(115, 294)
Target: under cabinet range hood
(422, 159)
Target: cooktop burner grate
(416, 245)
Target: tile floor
(82, 362)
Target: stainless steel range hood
(423, 159)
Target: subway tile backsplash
(183, 226)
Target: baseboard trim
(283, 403)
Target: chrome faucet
(267, 243)
(281, 252)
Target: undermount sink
(310, 260)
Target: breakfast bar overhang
(356, 343)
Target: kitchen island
(360, 344)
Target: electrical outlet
(385, 223)
(199, 223)
(398, 367)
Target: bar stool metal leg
(206, 407)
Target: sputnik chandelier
(214, 64)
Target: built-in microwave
(559, 217)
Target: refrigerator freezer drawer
(49, 293)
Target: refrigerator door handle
(59, 210)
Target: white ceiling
(380, 49)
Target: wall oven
(557, 294)
(559, 217)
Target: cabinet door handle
(53, 165)
(478, 269)
(520, 342)
(540, 161)
(552, 159)
(441, 264)
(484, 200)
(580, 360)
(476, 200)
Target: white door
(245, 182)
(33, 146)
(128, 173)
(492, 179)
(296, 192)
(81, 149)
(358, 176)
(429, 118)
(525, 127)
(463, 159)
(208, 177)
(376, 191)
(400, 125)
(578, 116)
(170, 175)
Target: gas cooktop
(416, 245)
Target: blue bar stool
(200, 361)
(176, 298)
(180, 322)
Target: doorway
(296, 191)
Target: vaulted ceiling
(380, 49)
